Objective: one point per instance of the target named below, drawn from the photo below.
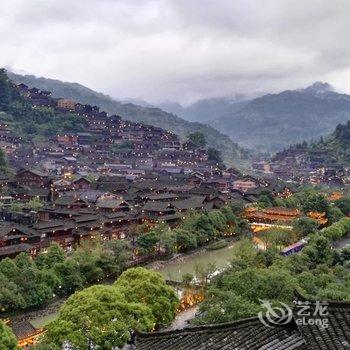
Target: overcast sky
(179, 50)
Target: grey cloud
(179, 50)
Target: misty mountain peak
(319, 87)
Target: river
(172, 270)
(175, 269)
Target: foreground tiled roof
(248, 334)
(301, 333)
(336, 336)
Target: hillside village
(325, 161)
(102, 182)
(114, 174)
(174, 176)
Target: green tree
(10, 295)
(15, 207)
(187, 279)
(140, 285)
(304, 226)
(148, 242)
(218, 220)
(168, 241)
(264, 201)
(237, 294)
(203, 229)
(319, 251)
(337, 230)
(197, 139)
(215, 156)
(9, 268)
(87, 258)
(236, 207)
(70, 277)
(34, 291)
(315, 202)
(99, 316)
(185, 239)
(204, 273)
(35, 204)
(229, 215)
(243, 254)
(277, 238)
(115, 256)
(7, 339)
(334, 214)
(54, 254)
(344, 205)
(5, 91)
(3, 161)
(225, 306)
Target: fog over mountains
(273, 121)
(267, 123)
(206, 110)
(141, 112)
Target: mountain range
(267, 123)
(274, 121)
(231, 152)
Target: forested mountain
(274, 121)
(336, 146)
(154, 116)
(330, 150)
(206, 110)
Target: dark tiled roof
(7, 227)
(14, 249)
(248, 334)
(40, 225)
(194, 202)
(156, 206)
(112, 186)
(67, 200)
(253, 335)
(86, 218)
(171, 217)
(336, 336)
(205, 191)
(112, 203)
(161, 196)
(33, 171)
(81, 178)
(113, 216)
